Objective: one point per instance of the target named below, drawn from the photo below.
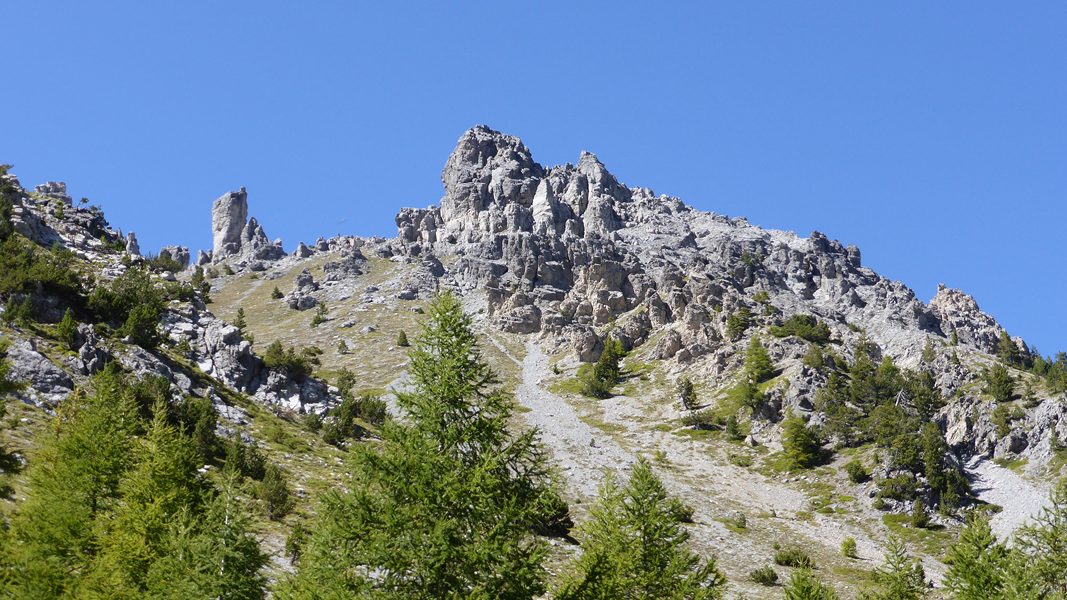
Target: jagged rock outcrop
(302, 297)
(132, 247)
(229, 215)
(959, 314)
(46, 383)
(179, 254)
(238, 240)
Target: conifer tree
(1045, 543)
(67, 330)
(446, 505)
(686, 393)
(73, 479)
(634, 546)
(800, 444)
(803, 585)
(275, 493)
(240, 323)
(976, 563)
(900, 577)
(163, 487)
(758, 366)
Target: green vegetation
(901, 577)
(350, 419)
(276, 294)
(738, 323)
(118, 509)
(758, 366)
(402, 339)
(635, 547)
(803, 326)
(447, 503)
(598, 381)
(856, 472)
(133, 303)
(803, 585)
(296, 364)
(848, 547)
(793, 557)
(320, 316)
(801, 445)
(764, 575)
(67, 331)
(687, 393)
(999, 383)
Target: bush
(402, 340)
(764, 576)
(320, 315)
(758, 366)
(803, 326)
(800, 444)
(901, 487)
(67, 331)
(920, 519)
(274, 492)
(732, 428)
(703, 419)
(294, 364)
(245, 459)
(142, 326)
(856, 472)
(848, 547)
(276, 294)
(999, 383)
(25, 268)
(686, 393)
(793, 557)
(738, 323)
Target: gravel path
(1020, 499)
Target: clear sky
(931, 134)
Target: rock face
(567, 249)
(239, 240)
(132, 247)
(179, 254)
(229, 214)
(959, 314)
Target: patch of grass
(933, 540)
(1015, 464)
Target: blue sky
(932, 135)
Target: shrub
(142, 325)
(686, 393)
(67, 331)
(901, 487)
(732, 428)
(320, 315)
(764, 576)
(703, 419)
(738, 323)
(758, 366)
(276, 294)
(274, 492)
(856, 472)
(920, 519)
(793, 557)
(815, 359)
(999, 383)
(402, 339)
(848, 547)
(297, 365)
(803, 326)
(245, 459)
(800, 444)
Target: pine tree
(1045, 542)
(73, 478)
(804, 586)
(999, 383)
(1008, 350)
(800, 444)
(635, 547)
(900, 577)
(276, 294)
(67, 331)
(758, 366)
(163, 487)
(446, 505)
(686, 393)
(240, 323)
(976, 563)
(402, 339)
(274, 492)
(607, 368)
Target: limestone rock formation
(239, 240)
